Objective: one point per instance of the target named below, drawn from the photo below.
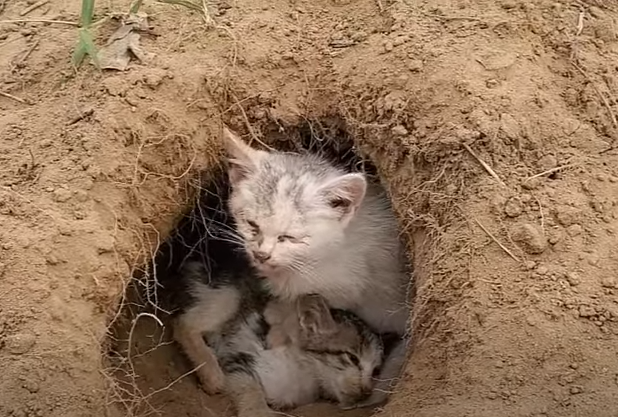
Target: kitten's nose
(261, 256)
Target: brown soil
(96, 167)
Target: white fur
(354, 258)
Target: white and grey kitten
(338, 356)
(310, 227)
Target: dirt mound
(492, 123)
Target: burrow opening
(147, 371)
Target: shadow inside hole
(149, 371)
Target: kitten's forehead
(282, 182)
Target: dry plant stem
(380, 6)
(504, 248)
(11, 96)
(59, 22)
(29, 51)
(33, 7)
(130, 343)
(601, 96)
(253, 135)
(484, 164)
(580, 23)
(549, 171)
(208, 20)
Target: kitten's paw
(377, 398)
(259, 413)
(211, 379)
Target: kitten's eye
(283, 238)
(353, 359)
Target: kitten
(309, 227)
(337, 361)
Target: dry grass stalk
(59, 22)
(504, 248)
(12, 97)
(484, 164)
(33, 7)
(549, 172)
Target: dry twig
(28, 52)
(485, 165)
(504, 248)
(549, 171)
(59, 22)
(246, 118)
(12, 97)
(33, 7)
(580, 22)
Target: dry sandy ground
(95, 168)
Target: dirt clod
(20, 343)
(514, 207)
(529, 237)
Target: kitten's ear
(345, 194)
(314, 315)
(243, 159)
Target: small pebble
(529, 265)
(573, 278)
(399, 130)
(575, 230)
(415, 65)
(514, 207)
(575, 390)
(548, 162)
(20, 343)
(61, 195)
(586, 311)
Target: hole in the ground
(148, 372)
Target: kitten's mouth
(267, 268)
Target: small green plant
(85, 45)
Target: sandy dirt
(516, 306)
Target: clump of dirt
(516, 308)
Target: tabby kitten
(339, 354)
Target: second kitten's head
(290, 209)
(345, 351)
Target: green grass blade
(85, 47)
(87, 13)
(91, 49)
(135, 6)
(79, 54)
